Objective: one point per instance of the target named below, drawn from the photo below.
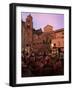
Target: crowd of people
(42, 65)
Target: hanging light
(52, 45)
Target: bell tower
(28, 33)
(29, 23)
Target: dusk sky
(40, 20)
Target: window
(54, 45)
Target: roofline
(59, 30)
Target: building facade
(58, 40)
(40, 41)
